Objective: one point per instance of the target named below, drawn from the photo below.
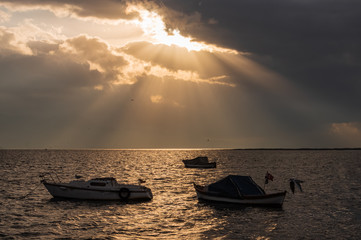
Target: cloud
(119, 65)
(313, 45)
(97, 54)
(39, 68)
(197, 66)
(4, 16)
(28, 31)
(107, 9)
(9, 43)
(347, 133)
(348, 129)
(159, 99)
(156, 99)
(301, 39)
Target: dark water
(329, 207)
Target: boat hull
(207, 165)
(274, 200)
(126, 192)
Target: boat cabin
(102, 182)
(96, 182)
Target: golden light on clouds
(155, 28)
(137, 75)
(4, 17)
(156, 98)
(11, 43)
(94, 46)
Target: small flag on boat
(268, 177)
(296, 182)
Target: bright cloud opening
(155, 28)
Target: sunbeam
(153, 74)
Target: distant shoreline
(299, 149)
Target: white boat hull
(275, 199)
(134, 192)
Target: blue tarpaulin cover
(236, 186)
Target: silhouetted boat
(199, 162)
(240, 190)
(97, 189)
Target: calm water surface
(329, 207)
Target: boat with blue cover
(239, 190)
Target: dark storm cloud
(269, 27)
(314, 44)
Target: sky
(180, 74)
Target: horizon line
(236, 149)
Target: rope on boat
(31, 191)
(42, 175)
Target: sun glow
(154, 27)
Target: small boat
(240, 190)
(199, 162)
(106, 188)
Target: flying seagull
(296, 182)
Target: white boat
(199, 162)
(239, 190)
(97, 189)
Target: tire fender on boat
(124, 193)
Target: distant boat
(199, 162)
(240, 190)
(97, 189)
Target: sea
(329, 207)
